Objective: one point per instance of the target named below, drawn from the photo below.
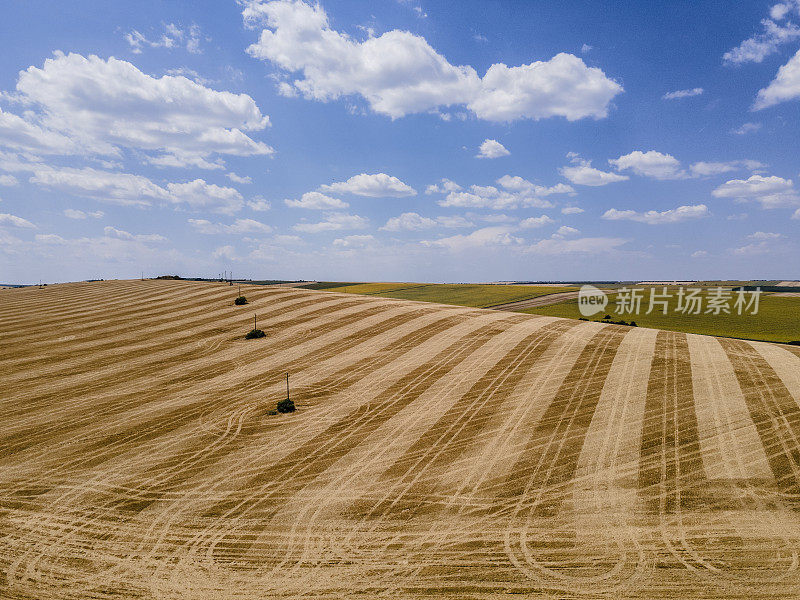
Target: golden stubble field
(437, 451)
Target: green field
(461, 294)
(778, 319)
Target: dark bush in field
(285, 406)
(240, 300)
(254, 334)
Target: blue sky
(400, 140)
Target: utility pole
(287, 386)
(255, 322)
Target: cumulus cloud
(8, 180)
(562, 86)
(378, 185)
(583, 173)
(115, 188)
(259, 204)
(649, 164)
(443, 187)
(239, 178)
(93, 106)
(72, 213)
(412, 221)
(334, 222)
(705, 169)
(653, 217)
(198, 194)
(354, 241)
(480, 238)
(399, 73)
(678, 94)
(785, 86)
(533, 222)
(565, 230)
(770, 192)
(492, 149)
(113, 232)
(18, 134)
(517, 192)
(761, 242)
(15, 221)
(571, 210)
(316, 201)
(239, 226)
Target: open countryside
(435, 451)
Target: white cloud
(518, 184)
(492, 218)
(562, 86)
(334, 222)
(571, 210)
(316, 201)
(378, 185)
(705, 169)
(584, 174)
(238, 178)
(354, 241)
(586, 48)
(773, 34)
(19, 134)
(746, 128)
(443, 187)
(492, 149)
(198, 194)
(8, 180)
(239, 226)
(454, 222)
(565, 230)
(399, 73)
(761, 242)
(796, 214)
(677, 94)
(94, 106)
(172, 37)
(114, 188)
(113, 232)
(699, 254)
(517, 192)
(259, 204)
(771, 191)
(785, 86)
(480, 238)
(764, 235)
(411, 221)
(201, 195)
(650, 164)
(73, 213)
(532, 222)
(226, 252)
(588, 245)
(15, 221)
(653, 217)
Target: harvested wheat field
(436, 451)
